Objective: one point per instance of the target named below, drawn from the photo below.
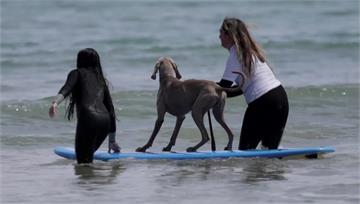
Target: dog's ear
(178, 75)
(157, 66)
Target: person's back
(91, 92)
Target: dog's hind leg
(179, 121)
(198, 117)
(200, 107)
(218, 111)
(158, 123)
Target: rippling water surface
(313, 47)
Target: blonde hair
(246, 47)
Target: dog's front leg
(179, 121)
(158, 123)
(157, 127)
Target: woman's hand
(53, 110)
(114, 147)
(112, 143)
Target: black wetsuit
(93, 107)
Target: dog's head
(166, 66)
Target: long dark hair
(88, 58)
(246, 46)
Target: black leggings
(91, 131)
(265, 120)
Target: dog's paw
(166, 149)
(191, 149)
(141, 149)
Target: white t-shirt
(261, 81)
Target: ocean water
(313, 47)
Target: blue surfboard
(309, 152)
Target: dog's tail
(237, 88)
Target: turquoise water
(313, 47)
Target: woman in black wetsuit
(87, 89)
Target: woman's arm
(225, 83)
(110, 108)
(228, 84)
(70, 83)
(112, 145)
(64, 92)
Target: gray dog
(179, 97)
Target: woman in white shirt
(266, 115)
